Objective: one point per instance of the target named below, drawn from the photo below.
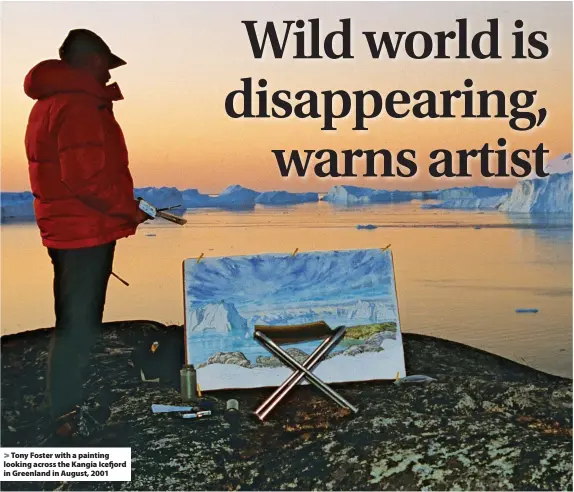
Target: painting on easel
(226, 297)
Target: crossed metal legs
(301, 371)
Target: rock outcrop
(486, 423)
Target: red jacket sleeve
(82, 155)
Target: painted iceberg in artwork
(226, 297)
(221, 318)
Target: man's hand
(141, 216)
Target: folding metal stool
(271, 337)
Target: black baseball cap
(81, 41)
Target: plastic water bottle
(188, 380)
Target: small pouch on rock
(159, 358)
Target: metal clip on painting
(200, 257)
(294, 252)
(385, 248)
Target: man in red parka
(83, 201)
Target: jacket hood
(55, 76)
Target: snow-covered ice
(476, 192)
(160, 197)
(192, 198)
(285, 198)
(236, 196)
(356, 195)
(16, 205)
(552, 194)
(488, 203)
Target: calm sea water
(459, 275)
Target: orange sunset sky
(185, 57)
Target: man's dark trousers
(80, 283)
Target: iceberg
(192, 198)
(285, 198)
(16, 196)
(355, 195)
(551, 194)
(16, 206)
(488, 203)
(160, 197)
(468, 198)
(235, 196)
(221, 318)
(374, 312)
(476, 192)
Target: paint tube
(196, 415)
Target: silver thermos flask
(188, 379)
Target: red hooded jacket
(78, 161)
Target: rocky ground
(486, 424)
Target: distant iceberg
(235, 196)
(192, 198)
(285, 198)
(488, 203)
(471, 192)
(16, 196)
(534, 194)
(546, 194)
(160, 197)
(552, 194)
(16, 205)
(355, 195)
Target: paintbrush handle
(120, 279)
(171, 217)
